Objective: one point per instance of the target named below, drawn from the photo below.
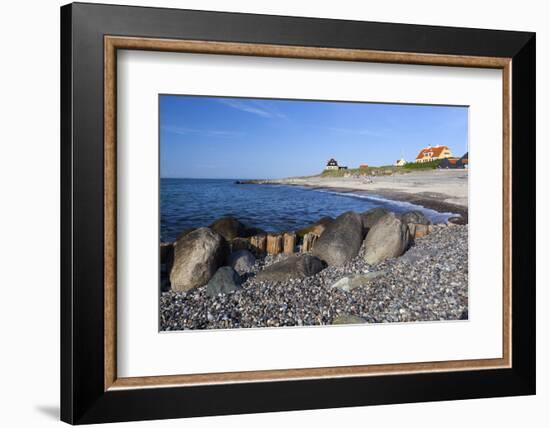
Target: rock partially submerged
(341, 240)
(292, 267)
(226, 280)
(197, 256)
(388, 238)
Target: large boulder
(242, 261)
(388, 238)
(197, 256)
(341, 240)
(228, 227)
(185, 232)
(226, 280)
(371, 217)
(415, 217)
(291, 267)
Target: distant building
(430, 154)
(400, 162)
(332, 165)
(454, 163)
(363, 166)
(464, 160)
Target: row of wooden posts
(275, 243)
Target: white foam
(430, 213)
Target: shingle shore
(428, 283)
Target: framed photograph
(267, 213)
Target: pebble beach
(428, 282)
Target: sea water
(191, 203)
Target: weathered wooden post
(289, 242)
(309, 241)
(259, 243)
(274, 244)
(420, 230)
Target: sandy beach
(441, 190)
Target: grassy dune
(381, 170)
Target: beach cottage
(400, 162)
(430, 154)
(332, 165)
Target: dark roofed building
(454, 163)
(464, 160)
(333, 165)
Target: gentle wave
(192, 203)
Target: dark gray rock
(370, 217)
(242, 261)
(415, 217)
(164, 277)
(388, 238)
(228, 227)
(226, 280)
(292, 267)
(237, 244)
(456, 220)
(167, 253)
(197, 256)
(341, 240)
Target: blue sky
(211, 137)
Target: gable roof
(434, 151)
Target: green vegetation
(371, 170)
(424, 165)
(381, 170)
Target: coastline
(426, 199)
(440, 190)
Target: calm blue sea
(190, 203)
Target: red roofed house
(433, 153)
